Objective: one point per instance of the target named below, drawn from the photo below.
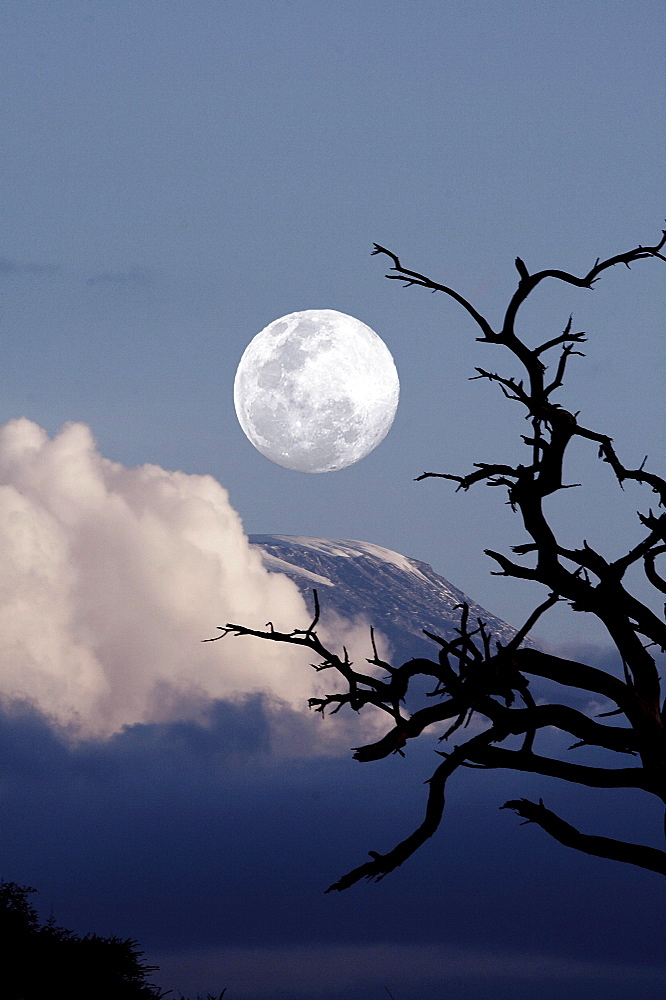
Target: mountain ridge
(397, 595)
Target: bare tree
(475, 677)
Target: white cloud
(110, 577)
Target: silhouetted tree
(475, 677)
(38, 959)
(41, 960)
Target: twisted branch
(601, 847)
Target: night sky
(176, 177)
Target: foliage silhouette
(476, 679)
(40, 959)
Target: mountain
(398, 596)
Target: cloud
(110, 577)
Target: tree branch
(655, 579)
(579, 774)
(602, 847)
(569, 720)
(607, 454)
(565, 336)
(414, 278)
(485, 471)
(571, 673)
(383, 864)
(529, 282)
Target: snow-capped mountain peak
(398, 596)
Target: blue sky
(177, 176)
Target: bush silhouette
(40, 959)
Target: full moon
(316, 391)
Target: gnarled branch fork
(484, 687)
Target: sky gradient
(176, 177)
